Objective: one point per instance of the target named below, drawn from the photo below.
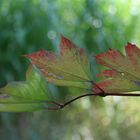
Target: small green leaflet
(124, 72)
(68, 68)
(29, 95)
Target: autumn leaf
(124, 72)
(29, 95)
(68, 68)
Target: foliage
(123, 75)
(25, 95)
(71, 68)
(96, 26)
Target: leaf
(69, 68)
(124, 72)
(13, 104)
(28, 95)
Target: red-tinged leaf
(66, 45)
(69, 68)
(116, 85)
(133, 56)
(40, 57)
(124, 70)
(103, 85)
(108, 73)
(110, 58)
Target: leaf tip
(40, 53)
(63, 39)
(65, 45)
(130, 46)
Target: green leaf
(28, 95)
(20, 107)
(69, 68)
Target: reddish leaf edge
(94, 93)
(100, 93)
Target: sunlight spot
(117, 99)
(51, 34)
(122, 74)
(85, 103)
(97, 23)
(134, 11)
(112, 10)
(105, 121)
(85, 131)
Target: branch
(102, 94)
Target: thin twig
(123, 94)
(100, 95)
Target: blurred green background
(96, 25)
